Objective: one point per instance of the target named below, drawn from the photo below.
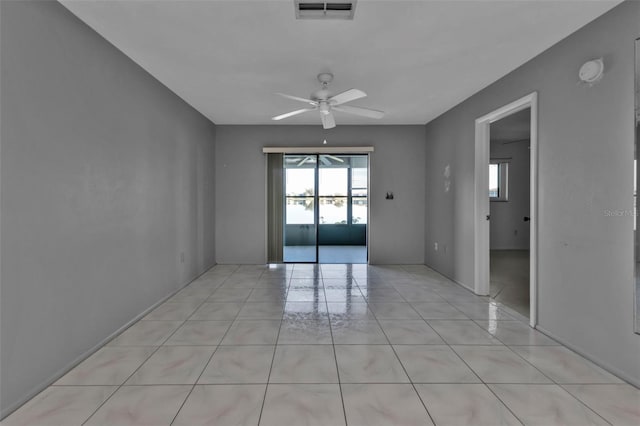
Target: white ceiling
(415, 59)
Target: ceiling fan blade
(299, 99)
(324, 160)
(365, 112)
(328, 122)
(291, 114)
(304, 160)
(338, 159)
(347, 96)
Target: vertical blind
(274, 207)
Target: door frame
(337, 150)
(481, 199)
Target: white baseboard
(64, 370)
(515, 314)
(604, 365)
(466, 287)
(461, 284)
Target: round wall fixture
(591, 71)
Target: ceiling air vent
(310, 9)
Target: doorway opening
(325, 211)
(509, 210)
(505, 206)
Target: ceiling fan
(324, 158)
(322, 100)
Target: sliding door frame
(357, 150)
(316, 208)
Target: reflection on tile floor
(331, 345)
(510, 279)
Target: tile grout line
(335, 356)
(162, 344)
(349, 383)
(143, 362)
(208, 361)
(486, 384)
(275, 347)
(562, 386)
(288, 279)
(514, 319)
(405, 370)
(470, 369)
(553, 383)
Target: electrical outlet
(435, 246)
(181, 257)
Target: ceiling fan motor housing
(321, 95)
(325, 78)
(324, 107)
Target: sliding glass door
(326, 208)
(300, 213)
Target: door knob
(527, 218)
(488, 217)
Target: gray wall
(508, 229)
(585, 258)
(106, 177)
(397, 226)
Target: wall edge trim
(605, 366)
(35, 390)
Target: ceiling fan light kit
(323, 101)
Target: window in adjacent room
(498, 179)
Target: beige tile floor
(509, 281)
(331, 345)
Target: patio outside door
(326, 208)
